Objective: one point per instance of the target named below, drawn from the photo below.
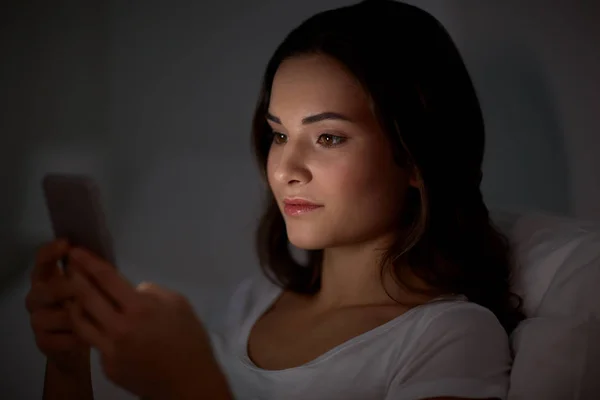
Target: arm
(207, 383)
(68, 385)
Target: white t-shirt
(448, 348)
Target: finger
(51, 294)
(86, 330)
(144, 286)
(152, 289)
(105, 276)
(52, 320)
(57, 342)
(160, 294)
(47, 258)
(100, 308)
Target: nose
(290, 165)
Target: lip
(297, 206)
(297, 201)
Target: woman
(370, 136)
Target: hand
(49, 317)
(149, 339)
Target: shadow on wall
(526, 165)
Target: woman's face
(330, 151)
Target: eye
(329, 140)
(279, 138)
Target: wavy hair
(424, 99)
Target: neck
(351, 276)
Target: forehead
(311, 84)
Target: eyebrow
(311, 119)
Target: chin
(307, 239)
(315, 238)
(319, 237)
(307, 243)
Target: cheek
(346, 181)
(270, 167)
(360, 176)
(366, 187)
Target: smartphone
(75, 209)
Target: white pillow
(555, 258)
(556, 358)
(557, 273)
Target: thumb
(147, 287)
(152, 289)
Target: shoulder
(461, 317)
(457, 349)
(252, 289)
(460, 327)
(246, 296)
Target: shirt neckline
(269, 300)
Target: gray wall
(155, 99)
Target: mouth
(296, 207)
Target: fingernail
(143, 285)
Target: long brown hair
(424, 99)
